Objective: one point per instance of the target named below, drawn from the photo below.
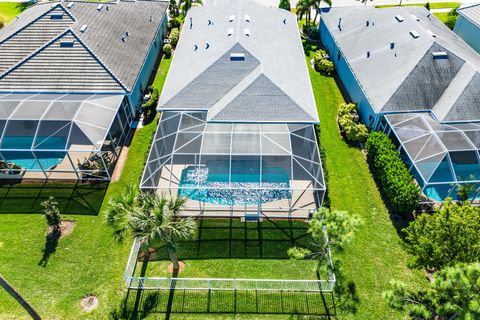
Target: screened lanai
(229, 169)
(443, 158)
(61, 136)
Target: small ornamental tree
(453, 294)
(338, 226)
(284, 4)
(174, 36)
(167, 49)
(52, 213)
(445, 238)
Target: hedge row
(323, 64)
(395, 179)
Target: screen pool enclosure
(229, 169)
(443, 158)
(61, 136)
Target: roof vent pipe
(367, 23)
(368, 54)
(231, 18)
(107, 8)
(230, 32)
(340, 24)
(210, 22)
(207, 45)
(150, 18)
(247, 18)
(70, 5)
(392, 44)
(83, 28)
(99, 7)
(191, 23)
(127, 33)
(284, 21)
(123, 39)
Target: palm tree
(303, 8)
(19, 298)
(152, 219)
(317, 7)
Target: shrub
(325, 67)
(311, 32)
(173, 23)
(174, 36)
(167, 49)
(148, 107)
(451, 18)
(395, 180)
(318, 56)
(349, 125)
(427, 6)
(284, 4)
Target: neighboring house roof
(34, 55)
(242, 62)
(399, 72)
(471, 12)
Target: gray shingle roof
(262, 99)
(471, 12)
(61, 69)
(405, 77)
(198, 94)
(202, 75)
(467, 105)
(122, 60)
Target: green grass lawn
(375, 254)
(9, 10)
(433, 5)
(442, 16)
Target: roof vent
(207, 45)
(440, 55)
(368, 54)
(100, 6)
(230, 32)
(247, 18)
(83, 28)
(107, 8)
(392, 44)
(414, 34)
(195, 47)
(66, 44)
(237, 56)
(123, 39)
(367, 23)
(231, 18)
(415, 17)
(56, 16)
(210, 22)
(285, 21)
(127, 33)
(399, 18)
(70, 4)
(150, 18)
(430, 32)
(246, 32)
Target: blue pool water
(206, 183)
(26, 160)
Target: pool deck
(302, 201)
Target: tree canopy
(284, 4)
(449, 236)
(453, 294)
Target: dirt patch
(152, 253)
(89, 303)
(181, 265)
(66, 227)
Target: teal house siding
(349, 81)
(469, 32)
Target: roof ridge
(49, 43)
(38, 18)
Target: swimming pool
(26, 160)
(208, 183)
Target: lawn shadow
(22, 6)
(51, 243)
(346, 297)
(231, 238)
(73, 198)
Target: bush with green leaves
(318, 56)
(284, 4)
(167, 49)
(311, 32)
(52, 213)
(449, 236)
(149, 107)
(452, 18)
(325, 67)
(174, 36)
(348, 120)
(173, 11)
(395, 180)
(453, 294)
(174, 23)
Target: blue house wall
(469, 32)
(351, 84)
(135, 96)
